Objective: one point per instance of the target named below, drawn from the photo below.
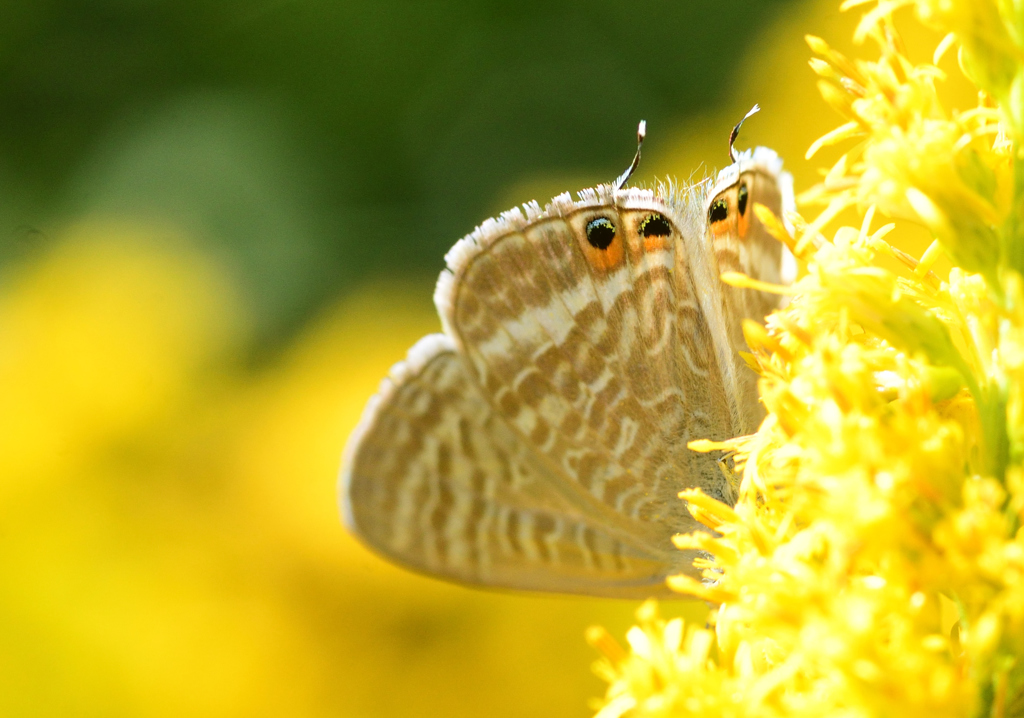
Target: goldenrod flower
(874, 562)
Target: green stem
(1013, 233)
(991, 404)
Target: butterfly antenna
(623, 178)
(733, 154)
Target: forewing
(436, 479)
(597, 354)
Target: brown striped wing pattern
(540, 443)
(465, 498)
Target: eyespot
(741, 199)
(600, 232)
(719, 211)
(655, 226)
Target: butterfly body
(540, 442)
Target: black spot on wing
(719, 211)
(655, 226)
(600, 232)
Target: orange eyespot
(603, 248)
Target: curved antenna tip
(641, 133)
(733, 155)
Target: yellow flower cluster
(874, 562)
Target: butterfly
(540, 441)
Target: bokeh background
(220, 224)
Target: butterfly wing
(438, 481)
(541, 442)
(585, 329)
(742, 244)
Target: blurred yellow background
(176, 395)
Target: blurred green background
(220, 224)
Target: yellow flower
(914, 160)
(873, 564)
